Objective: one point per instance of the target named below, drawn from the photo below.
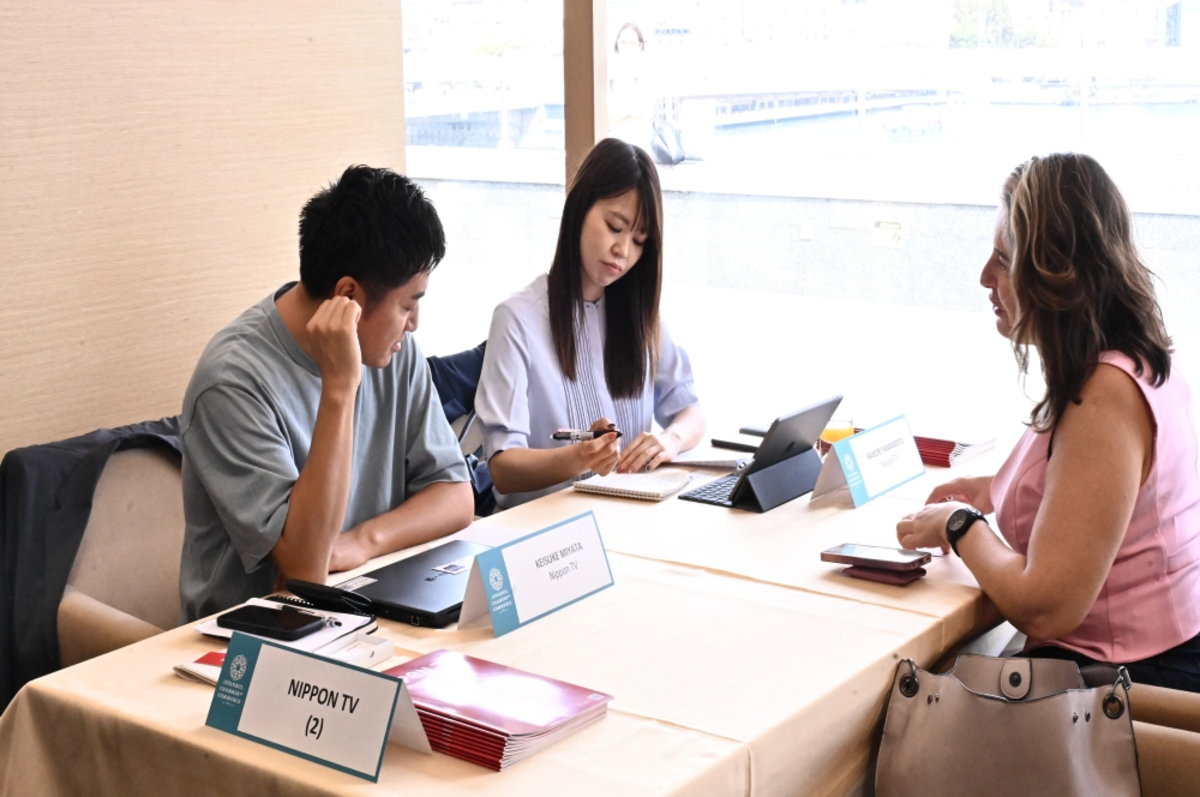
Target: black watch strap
(959, 523)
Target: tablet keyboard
(715, 492)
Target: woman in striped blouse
(583, 347)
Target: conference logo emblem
(495, 579)
(849, 461)
(238, 668)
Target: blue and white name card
(518, 582)
(871, 462)
(316, 708)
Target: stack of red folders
(936, 452)
(944, 453)
(494, 715)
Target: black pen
(577, 435)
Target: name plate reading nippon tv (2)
(516, 583)
(871, 462)
(313, 707)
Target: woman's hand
(599, 455)
(648, 451)
(973, 490)
(926, 528)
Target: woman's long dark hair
(631, 303)
(1081, 288)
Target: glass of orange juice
(837, 429)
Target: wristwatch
(959, 523)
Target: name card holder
(316, 708)
(872, 462)
(766, 489)
(524, 580)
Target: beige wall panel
(154, 157)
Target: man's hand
(599, 455)
(333, 338)
(350, 550)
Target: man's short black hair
(373, 225)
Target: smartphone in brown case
(876, 557)
(874, 563)
(899, 578)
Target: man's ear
(351, 289)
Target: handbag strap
(909, 684)
(1020, 678)
(1114, 704)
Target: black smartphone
(876, 557)
(286, 622)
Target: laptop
(426, 589)
(790, 436)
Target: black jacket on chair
(46, 494)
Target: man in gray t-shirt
(313, 438)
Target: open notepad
(653, 486)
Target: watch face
(957, 519)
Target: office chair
(456, 377)
(124, 585)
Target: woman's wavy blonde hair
(1080, 285)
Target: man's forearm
(317, 506)
(441, 508)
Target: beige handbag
(994, 726)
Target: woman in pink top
(1099, 503)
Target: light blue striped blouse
(524, 397)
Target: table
(740, 664)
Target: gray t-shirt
(247, 424)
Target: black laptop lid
(425, 589)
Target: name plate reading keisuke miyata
(871, 462)
(313, 707)
(516, 583)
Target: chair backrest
(129, 556)
(469, 432)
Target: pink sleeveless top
(1150, 601)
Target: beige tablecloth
(740, 664)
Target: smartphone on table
(876, 563)
(286, 623)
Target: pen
(576, 435)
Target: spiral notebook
(653, 486)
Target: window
(484, 89)
(841, 163)
(917, 101)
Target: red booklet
(491, 714)
(945, 453)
